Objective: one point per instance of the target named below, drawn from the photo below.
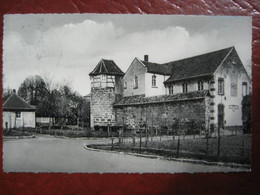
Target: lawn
(233, 149)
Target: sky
(67, 47)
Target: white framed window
(103, 78)
(244, 89)
(170, 89)
(96, 79)
(221, 86)
(154, 81)
(200, 86)
(184, 88)
(18, 114)
(135, 82)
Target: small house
(17, 113)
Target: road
(50, 154)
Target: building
(106, 88)
(205, 89)
(17, 113)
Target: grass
(15, 133)
(233, 149)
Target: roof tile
(107, 67)
(141, 99)
(16, 103)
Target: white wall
(8, 117)
(138, 69)
(233, 106)
(27, 119)
(192, 86)
(159, 89)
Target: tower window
(135, 82)
(171, 89)
(103, 78)
(200, 85)
(154, 81)
(184, 88)
(221, 86)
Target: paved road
(49, 154)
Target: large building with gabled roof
(206, 89)
(17, 113)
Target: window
(244, 88)
(184, 88)
(103, 78)
(221, 86)
(135, 81)
(154, 81)
(200, 85)
(125, 85)
(171, 89)
(18, 114)
(233, 89)
(96, 79)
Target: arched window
(135, 81)
(154, 81)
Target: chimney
(146, 58)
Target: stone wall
(163, 114)
(101, 106)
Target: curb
(193, 161)
(18, 137)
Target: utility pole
(218, 139)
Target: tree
(33, 89)
(58, 101)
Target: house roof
(141, 99)
(107, 67)
(16, 103)
(197, 66)
(157, 68)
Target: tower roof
(16, 103)
(107, 67)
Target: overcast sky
(69, 46)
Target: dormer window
(171, 89)
(200, 85)
(135, 82)
(154, 81)
(184, 88)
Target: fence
(236, 148)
